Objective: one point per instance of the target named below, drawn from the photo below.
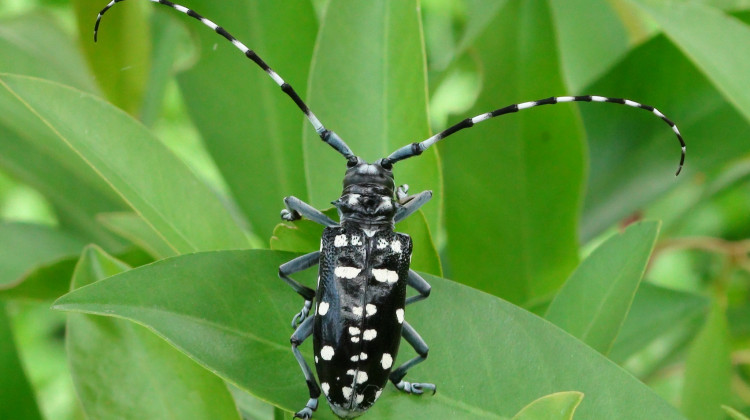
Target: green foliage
(650, 322)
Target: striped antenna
(416, 149)
(326, 135)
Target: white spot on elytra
(355, 358)
(355, 339)
(326, 353)
(385, 275)
(396, 246)
(382, 243)
(400, 315)
(356, 240)
(316, 359)
(386, 361)
(370, 309)
(350, 372)
(369, 335)
(339, 241)
(346, 391)
(377, 394)
(361, 377)
(323, 308)
(363, 356)
(357, 310)
(360, 398)
(346, 272)
(353, 330)
(325, 387)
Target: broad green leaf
(587, 51)
(234, 319)
(122, 56)
(304, 236)
(634, 155)
(16, 396)
(132, 227)
(35, 45)
(45, 282)
(121, 370)
(593, 304)
(26, 246)
(655, 311)
(160, 188)
(558, 406)
(708, 369)
(251, 128)
(701, 32)
(369, 86)
(513, 183)
(734, 414)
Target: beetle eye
(351, 162)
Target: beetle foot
(290, 215)
(416, 388)
(302, 314)
(307, 412)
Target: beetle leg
(296, 208)
(417, 282)
(300, 335)
(397, 376)
(411, 204)
(296, 265)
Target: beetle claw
(416, 388)
(297, 320)
(290, 215)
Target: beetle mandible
(363, 262)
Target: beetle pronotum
(363, 263)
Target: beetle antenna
(416, 149)
(326, 135)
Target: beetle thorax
(367, 199)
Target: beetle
(364, 264)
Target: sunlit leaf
(558, 406)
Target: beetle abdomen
(359, 314)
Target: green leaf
(655, 311)
(701, 32)
(123, 371)
(250, 127)
(634, 155)
(234, 319)
(35, 45)
(708, 369)
(132, 227)
(585, 57)
(513, 183)
(369, 87)
(560, 405)
(734, 414)
(160, 188)
(16, 396)
(26, 246)
(122, 56)
(593, 304)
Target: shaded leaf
(513, 183)
(593, 304)
(16, 396)
(160, 188)
(234, 319)
(123, 371)
(132, 227)
(634, 155)
(121, 58)
(561, 405)
(655, 311)
(250, 127)
(708, 369)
